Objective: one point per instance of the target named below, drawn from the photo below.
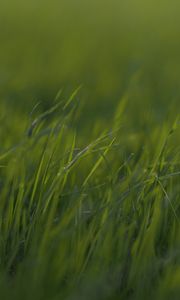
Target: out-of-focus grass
(100, 44)
(89, 181)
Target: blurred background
(115, 49)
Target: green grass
(89, 175)
(82, 217)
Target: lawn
(89, 150)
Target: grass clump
(89, 214)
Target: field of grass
(89, 150)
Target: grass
(82, 217)
(89, 175)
